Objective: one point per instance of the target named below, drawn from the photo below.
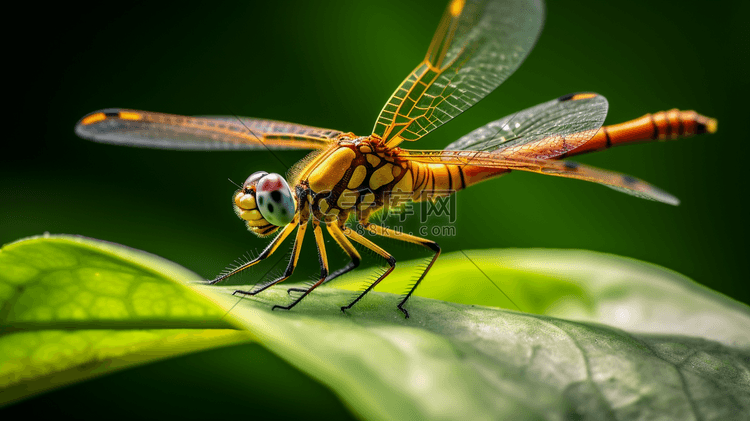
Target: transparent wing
(568, 169)
(169, 131)
(478, 44)
(543, 131)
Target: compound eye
(253, 179)
(274, 199)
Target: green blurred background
(334, 64)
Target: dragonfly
(347, 179)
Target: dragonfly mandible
(478, 44)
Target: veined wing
(478, 44)
(567, 169)
(169, 131)
(543, 131)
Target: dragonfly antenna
(238, 186)
(260, 141)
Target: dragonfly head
(265, 202)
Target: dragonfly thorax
(357, 176)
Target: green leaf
(73, 308)
(226, 383)
(455, 361)
(578, 285)
(459, 361)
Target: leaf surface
(458, 361)
(578, 285)
(73, 308)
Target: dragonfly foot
(202, 282)
(290, 290)
(403, 310)
(239, 291)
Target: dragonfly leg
(263, 255)
(323, 258)
(387, 232)
(292, 261)
(372, 246)
(347, 246)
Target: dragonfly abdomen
(663, 125)
(432, 181)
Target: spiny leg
(322, 258)
(341, 240)
(264, 254)
(387, 232)
(374, 247)
(339, 237)
(292, 261)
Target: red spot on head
(270, 183)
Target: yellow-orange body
(359, 175)
(664, 125)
